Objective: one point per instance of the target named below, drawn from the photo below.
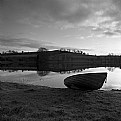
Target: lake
(56, 79)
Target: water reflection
(43, 73)
(61, 68)
(53, 74)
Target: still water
(56, 79)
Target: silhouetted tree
(41, 49)
(11, 51)
(62, 49)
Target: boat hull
(88, 81)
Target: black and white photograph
(60, 60)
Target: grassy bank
(35, 103)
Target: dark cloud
(114, 10)
(59, 10)
(117, 3)
(118, 31)
(21, 42)
(71, 11)
(111, 33)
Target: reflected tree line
(46, 71)
(61, 61)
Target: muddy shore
(20, 102)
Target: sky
(93, 26)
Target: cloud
(114, 10)
(24, 44)
(109, 22)
(60, 10)
(72, 11)
(109, 33)
(101, 15)
(64, 11)
(21, 43)
(113, 34)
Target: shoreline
(20, 102)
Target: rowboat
(87, 81)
